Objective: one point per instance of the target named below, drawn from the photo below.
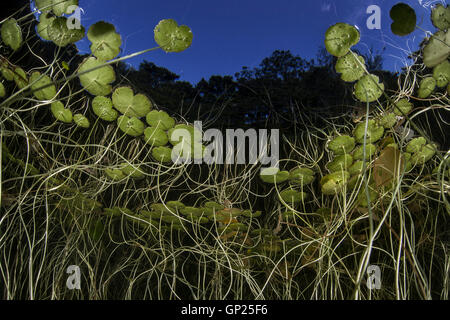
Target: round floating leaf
(301, 176)
(388, 120)
(351, 66)
(404, 19)
(155, 137)
(61, 35)
(340, 37)
(96, 82)
(132, 171)
(362, 197)
(11, 34)
(437, 49)
(162, 154)
(171, 37)
(441, 73)
(183, 131)
(20, 78)
(115, 174)
(105, 40)
(368, 88)
(292, 196)
(403, 106)
(7, 73)
(61, 113)
(81, 120)
(129, 104)
(45, 20)
(43, 88)
(273, 175)
(2, 90)
(356, 167)
(426, 87)
(334, 182)
(131, 126)
(176, 205)
(339, 163)
(103, 108)
(341, 144)
(160, 119)
(416, 145)
(59, 7)
(374, 132)
(359, 152)
(440, 16)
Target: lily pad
(437, 49)
(273, 175)
(103, 108)
(404, 19)
(342, 144)
(81, 120)
(302, 176)
(171, 37)
(131, 126)
(426, 87)
(368, 88)
(162, 154)
(183, 131)
(388, 120)
(132, 171)
(61, 35)
(11, 34)
(292, 196)
(416, 145)
(175, 204)
(58, 7)
(373, 134)
(356, 168)
(334, 182)
(105, 40)
(45, 20)
(441, 73)
(43, 88)
(351, 67)
(403, 106)
(2, 90)
(129, 104)
(340, 37)
(6, 71)
(98, 81)
(339, 163)
(155, 137)
(61, 113)
(359, 152)
(440, 16)
(160, 119)
(115, 174)
(20, 78)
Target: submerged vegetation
(88, 180)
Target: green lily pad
(58, 7)
(292, 196)
(11, 34)
(416, 145)
(105, 40)
(103, 108)
(2, 90)
(351, 67)
(20, 78)
(171, 37)
(437, 49)
(426, 87)
(440, 16)
(273, 175)
(162, 154)
(81, 120)
(404, 19)
(340, 37)
(342, 144)
(368, 88)
(47, 93)
(334, 182)
(129, 104)
(374, 132)
(96, 82)
(302, 176)
(359, 152)
(251, 214)
(181, 132)
(403, 106)
(61, 35)
(441, 73)
(115, 174)
(155, 137)
(191, 211)
(61, 113)
(356, 168)
(175, 204)
(45, 20)
(362, 197)
(7, 73)
(160, 119)
(339, 163)
(388, 120)
(132, 171)
(131, 126)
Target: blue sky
(235, 33)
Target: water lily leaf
(45, 20)
(81, 121)
(2, 90)
(416, 145)
(11, 34)
(61, 113)
(105, 40)
(175, 204)
(359, 152)
(59, 7)
(292, 196)
(404, 19)
(183, 132)
(160, 119)
(424, 154)
(334, 182)
(132, 171)
(20, 78)
(162, 154)
(171, 37)
(356, 168)
(96, 82)
(129, 104)
(302, 176)
(115, 174)
(131, 126)
(403, 106)
(441, 73)
(273, 175)
(103, 108)
(426, 87)
(388, 120)
(340, 37)
(373, 134)
(61, 35)
(351, 66)
(440, 16)
(7, 73)
(342, 144)
(339, 163)
(362, 197)
(48, 90)
(155, 137)
(368, 88)
(437, 49)
(387, 166)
